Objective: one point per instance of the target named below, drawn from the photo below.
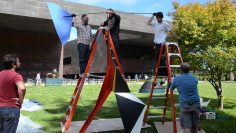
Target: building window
(67, 61)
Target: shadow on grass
(108, 110)
(225, 120)
(81, 112)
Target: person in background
(189, 100)
(12, 93)
(38, 79)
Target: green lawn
(55, 102)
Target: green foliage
(209, 37)
(215, 63)
(205, 26)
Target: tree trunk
(219, 94)
(231, 76)
(220, 97)
(220, 102)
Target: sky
(145, 6)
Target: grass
(55, 101)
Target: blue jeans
(84, 53)
(116, 41)
(162, 71)
(9, 118)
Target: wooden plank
(102, 125)
(168, 128)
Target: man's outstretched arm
(150, 20)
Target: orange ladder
(112, 55)
(171, 49)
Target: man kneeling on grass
(189, 100)
(12, 92)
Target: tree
(215, 64)
(209, 38)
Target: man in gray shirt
(83, 40)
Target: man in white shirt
(38, 79)
(161, 29)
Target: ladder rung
(158, 97)
(162, 66)
(113, 58)
(156, 116)
(73, 97)
(66, 117)
(162, 76)
(157, 107)
(172, 43)
(173, 66)
(70, 107)
(176, 104)
(176, 66)
(174, 54)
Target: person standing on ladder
(189, 100)
(84, 38)
(161, 29)
(113, 24)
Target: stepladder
(168, 60)
(113, 63)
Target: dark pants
(189, 116)
(9, 118)
(162, 71)
(116, 41)
(84, 53)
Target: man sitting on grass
(189, 100)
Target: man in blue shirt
(189, 100)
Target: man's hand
(150, 20)
(101, 28)
(21, 91)
(109, 12)
(73, 15)
(154, 47)
(102, 24)
(18, 101)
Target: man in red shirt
(12, 92)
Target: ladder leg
(94, 112)
(111, 44)
(72, 111)
(173, 112)
(180, 58)
(153, 85)
(166, 104)
(80, 83)
(72, 99)
(104, 93)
